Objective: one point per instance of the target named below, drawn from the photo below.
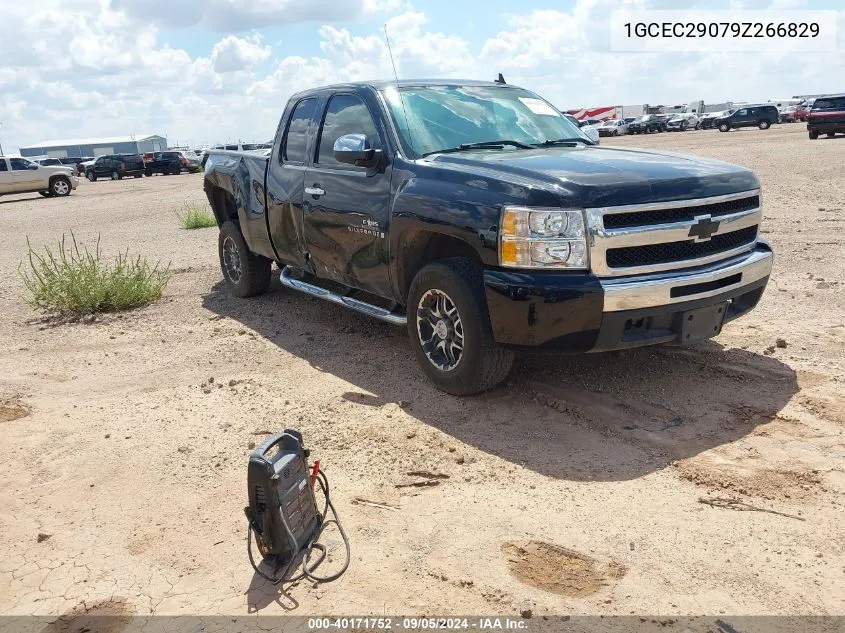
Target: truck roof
(381, 84)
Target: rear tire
(831, 134)
(813, 135)
(764, 125)
(246, 274)
(149, 173)
(115, 175)
(449, 328)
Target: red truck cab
(827, 116)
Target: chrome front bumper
(665, 289)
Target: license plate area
(701, 324)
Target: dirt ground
(703, 480)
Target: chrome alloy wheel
(61, 188)
(231, 260)
(440, 330)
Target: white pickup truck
(21, 175)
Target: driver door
(346, 208)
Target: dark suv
(762, 116)
(115, 166)
(646, 124)
(827, 116)
(165, 163)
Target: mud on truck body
(476, 215)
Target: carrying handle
(277, 438)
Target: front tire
(246, 274)
(115, 175)
(449, 328)
(724, 127)
(813, 135)
(60, 187)
(91, 176)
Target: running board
(321, 293)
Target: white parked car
(613, 127)
(682, 122)
(20, 175)
(589, 131)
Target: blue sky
(221, 70)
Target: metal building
(135, 144)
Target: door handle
(316, 190)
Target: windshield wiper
(483, 145)
(564, 141)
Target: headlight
(542, 238)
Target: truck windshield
(448, 117)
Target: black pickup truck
(476, 214)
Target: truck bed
(242, 176)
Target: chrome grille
(684, 214)
(645, 238)
(678, 251)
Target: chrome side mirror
(355, 149)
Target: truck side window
(19, 164)
(346, 114)
(3, 165)
(296, 137)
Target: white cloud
(232, 53)
(243, 15)
(98, 67)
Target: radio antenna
(398, 90)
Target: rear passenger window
(296, 136)
(827, 103)
(346, 114)
(3, 165)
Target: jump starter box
(280, 493)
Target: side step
(287, 279)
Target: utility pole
(1, 143)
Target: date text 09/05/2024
(417, 624)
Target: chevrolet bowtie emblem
(703, 229)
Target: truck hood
(605, 176)
(58, 169)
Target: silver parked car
(613, 127)
(590, 132)
(20, 175)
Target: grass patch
(194, 216)
(73, 281)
